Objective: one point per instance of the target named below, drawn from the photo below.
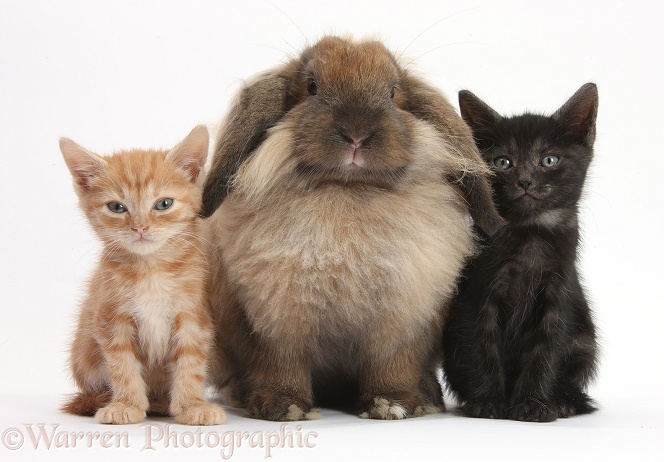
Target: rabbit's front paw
(281, 407)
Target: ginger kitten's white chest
(153, 309)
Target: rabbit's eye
(312, 88)
(392, 92)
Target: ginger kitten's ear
(84, 165)
(190, 154)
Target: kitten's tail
(87, 403)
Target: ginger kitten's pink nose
(140, 229)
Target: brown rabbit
(348, 186)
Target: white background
(121, 74)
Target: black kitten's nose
(525, 184)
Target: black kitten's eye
(116, 207)
(163, 204)
(312, 88)
(549, 161)
(502, 163)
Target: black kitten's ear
(578, 115)
(476, 113)
(427, 103)
(258, 107)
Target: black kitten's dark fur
(520, 342)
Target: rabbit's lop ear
(258, 107)
(426, 103)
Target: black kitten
(520, 342)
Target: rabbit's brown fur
(345, 229)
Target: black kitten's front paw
(575, 403)
(566, 409)
(534, 410)
(280, 407)
(484, 409)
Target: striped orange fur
(143, 336)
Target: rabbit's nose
(354, 140)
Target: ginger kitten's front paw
(200, 414)
(120, 413)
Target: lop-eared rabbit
(341, 196)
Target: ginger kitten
(144, 331)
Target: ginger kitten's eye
(312, 87)
(164, 204)
(502, 163)
(116, 207)
(549, 161)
